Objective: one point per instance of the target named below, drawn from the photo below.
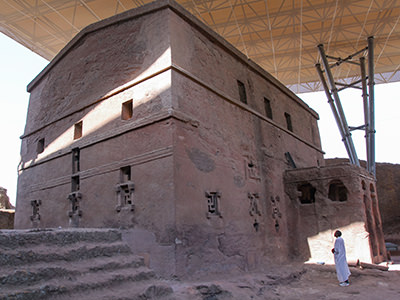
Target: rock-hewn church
(150, 122)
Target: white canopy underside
(281, 36)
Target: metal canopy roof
(280, 36)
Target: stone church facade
(150, 122)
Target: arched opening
(337, 191)
(307, 193)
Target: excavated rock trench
(97, 264)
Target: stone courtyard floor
(294, 282)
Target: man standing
(342, 269)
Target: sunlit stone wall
(150, 122)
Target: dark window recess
(75, 160)
(337, 191)
(371, 188)
(363, 185)
(242, 92)
(75, 184)
(213, 204)
(40, 146)
(127, 110)
(268, 109)
(307, 193)
(125, 174)
(289, 125)
(78, 130)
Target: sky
(19, 66)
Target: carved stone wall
(150, 121)
(388, 189)
(4, 200)
(6, 211)
(339, 197)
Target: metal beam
(333, 107)
(371, 84)
(351, 151)
(366, 109)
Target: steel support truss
(332, 93)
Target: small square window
(75, 184)
(268, 109)
(40, 146)
(78, 130)
(75, 160)
(242, 92)
(127, 110)
(125, 174)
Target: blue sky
(19, 66)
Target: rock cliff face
(4, 200)
(388, 187)
(6, 212)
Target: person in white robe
(342, 268)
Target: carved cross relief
(276, 214)
(124, 193)
(213, 204)
(35, 210)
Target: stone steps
(69, 264)
(77, 284)
(67, 253)
(38, 272)
(12, 239)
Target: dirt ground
(303, 281)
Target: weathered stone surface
(4, 200)
(7, 212)
(328, 198)
(168, 149)
(388, 188)
(123, 276)
(7, 219)
(62, 264)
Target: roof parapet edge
(178, 9)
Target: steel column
(342, 119)
(366, 108)
(371, 83)
(332, 105)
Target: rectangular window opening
(289, 125)
(75, 160)
(40, 146)
(242, 92)
(75, 184)
(127, 110)
(78, 130)
(268, 109)
(125, 174)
